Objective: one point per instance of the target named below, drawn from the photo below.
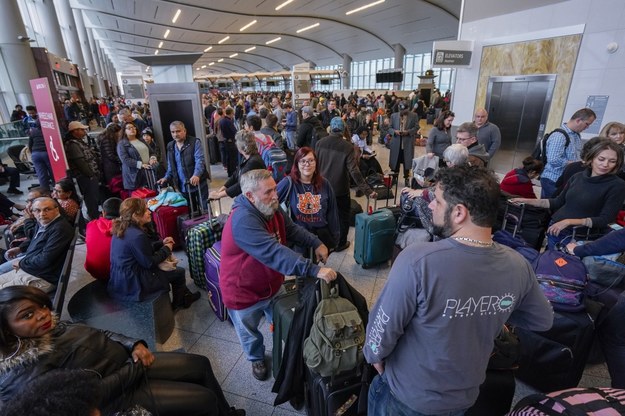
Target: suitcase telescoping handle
(211, 213)
(196, 211)
(375, 205)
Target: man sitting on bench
(43, 260)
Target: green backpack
(336, 337)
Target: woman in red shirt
(519, 181)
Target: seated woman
(310, 198)
(574, 167)
(614, 131)
(367, 161)
(135, 259)
(136, 156)
(34, 342)
(591, 198)
(65, 195)
(519, 181)
(246, 145)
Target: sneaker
(259, 370)
(342, 247)
(14, 191)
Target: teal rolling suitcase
(374, 240)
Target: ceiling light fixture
(220, 60)
(208, 49)
(203, 66)
(212, 63)
(156, 52)
(233, 55)
(197, 69)
(176, 16)
(307, 28)
(160, 45)
(250, 49)
(166, 34)
(223, 40)
(247, 25)
(283, 4)
(273, 40)
(366, 6)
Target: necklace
(476, 242)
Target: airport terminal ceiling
(246, 36)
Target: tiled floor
(198, 331)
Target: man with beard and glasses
(431, 331)
(255, 257)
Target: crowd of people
(289, 226)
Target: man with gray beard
(255, 257)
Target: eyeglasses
(462, 139)
(307, 162)
(44, 210)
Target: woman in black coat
(246, 145)
(33, 342)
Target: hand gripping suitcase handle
(192, 206)
(211, 214)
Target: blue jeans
(246, 323)
(548, 187)
(290, 139)
(43, 169)
(382, 402)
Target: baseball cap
(336, 124)
(308, 110)
(74, 125)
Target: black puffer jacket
(75, 346)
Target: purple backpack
(573, 402)
(563, 278)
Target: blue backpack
(276, 162)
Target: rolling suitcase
(199, 239)
(375, 237)
(342, 394)
(213, 149)
(165, 219)
(196, 216)
(212, 263)
(525, 221)
(555, 359)
(283, 309)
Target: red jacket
(516, 182)
(98, 242)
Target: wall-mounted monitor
(385, 77)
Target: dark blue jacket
(134, 266)
(129, 157)
(192, 161)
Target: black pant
(89, 188)
(343, 206)
(180, 384)
(232, 156)
(14, 176)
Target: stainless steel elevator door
(519, 106)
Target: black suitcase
(354, 209)
(283, 308)
(213, 149)
(525, 221)
(555, 359)
(342, 394)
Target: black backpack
(318, 133)
(540, 151)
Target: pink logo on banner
(49, 126)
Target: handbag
(506, 352)
(169, 264)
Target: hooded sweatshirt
(98, 241)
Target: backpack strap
(565, 134)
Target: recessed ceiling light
(203, 66)
(233, 55)
(220, 60)
(156, 52)
(283, 4)
(247, 25)
(197, 69)
(366, 6)
(166, 34)
(223, 40)
(208, 49)
(160, 45)
(250, 49)
(176, 16)
(307, 28)
(273, 40)
(212, 63)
